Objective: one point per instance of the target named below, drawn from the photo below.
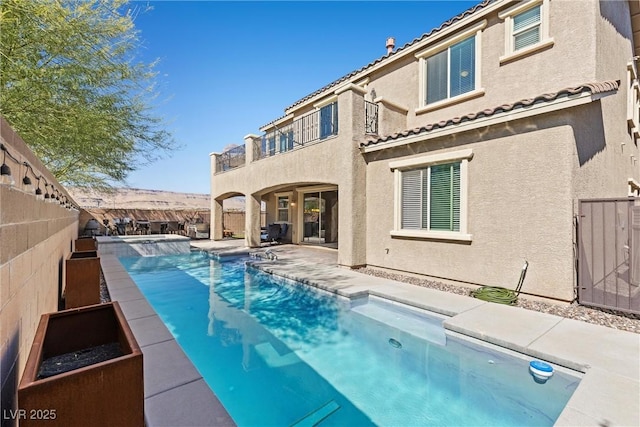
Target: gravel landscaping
(625, 322)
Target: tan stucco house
(461, 154)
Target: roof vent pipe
(391, 43)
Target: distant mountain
(136, 198)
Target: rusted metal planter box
(105, 393)
(82, 283)
(85, 244)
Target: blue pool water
(277, 353)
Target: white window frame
(473, 31)
(509, 37)
(288, 195)
(633, 100)
(462, 156)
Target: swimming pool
(278, 353)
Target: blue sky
(227, 68)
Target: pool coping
(175, 396)
(607, 394)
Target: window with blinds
(430, 198)
(526, 28)
(283, 208)
(451, 72)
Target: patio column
(216, 220)
(215, 223)
(352, 188)
(252, 221)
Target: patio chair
(284, 227)
(273, 231)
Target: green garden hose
(501, 295)
(496, 294)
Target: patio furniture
(274, 233)
(142, 226)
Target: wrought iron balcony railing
(307, 130)
(231, 159)
(370, 118)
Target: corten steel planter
(85, 244)
(82, 283)
(104, 393)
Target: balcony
(307, 130)
(310, 129)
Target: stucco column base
(352, 247)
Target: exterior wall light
(5, 170)
(39, 194)
(52, 197)
(26, 181)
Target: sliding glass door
(320, 217)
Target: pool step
(273, 357)
(404, 320)
(315, 417)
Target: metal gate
(609, 254)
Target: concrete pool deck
(175, 393)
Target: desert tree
(72, 86)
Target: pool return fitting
(499, 294)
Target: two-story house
(461, 154)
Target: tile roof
(442, 26)
(593, 88)
(273, 121)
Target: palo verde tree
(72, 87)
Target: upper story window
(450, 70)
(431, 196)
(526, 28)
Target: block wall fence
(35, 238)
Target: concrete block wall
(35, 239)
